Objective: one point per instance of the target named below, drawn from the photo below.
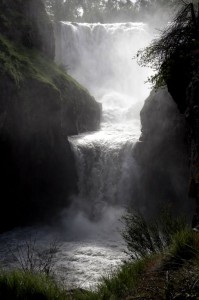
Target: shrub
(31, 258)
(145, 237)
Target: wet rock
(162, 155)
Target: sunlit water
(100, 56)
(82, 257)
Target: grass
(27, 285)
(116, 285)
(157, 276)
(163, 275)
(21, 285)
(153, 236)
(170, 275)
(184, 246)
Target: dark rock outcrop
(39, 106)
(27, 23)
(179, 79)
(183, 85)
(162, 156)
(192, 128)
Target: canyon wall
(40, 105)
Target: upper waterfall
(101, 57)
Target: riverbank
(169, 275)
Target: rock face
(162, 155)
(27, 23)
(183, 85)
(39, 106)
(191, 114)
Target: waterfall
(101, 57)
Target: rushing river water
(100, 56)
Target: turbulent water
(101, 57)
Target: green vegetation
(170, 274)
(11, 62)
(28, 24)
(184, 245)
(25, 285)
(20, 64)
(175, 47)
(118, 284)
(28, 285)
(154, 236)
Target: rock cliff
(175, 57)
(188, 98)
(162, 155)
(39, 106)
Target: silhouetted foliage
(177, 42)
(31, 258)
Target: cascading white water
(100, 56)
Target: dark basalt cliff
(168, 152)
(39, 106)
(186, 97)
(175, 56)
(162, 155)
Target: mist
(101, 57)
(110, 172)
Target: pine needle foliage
(179, 40)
